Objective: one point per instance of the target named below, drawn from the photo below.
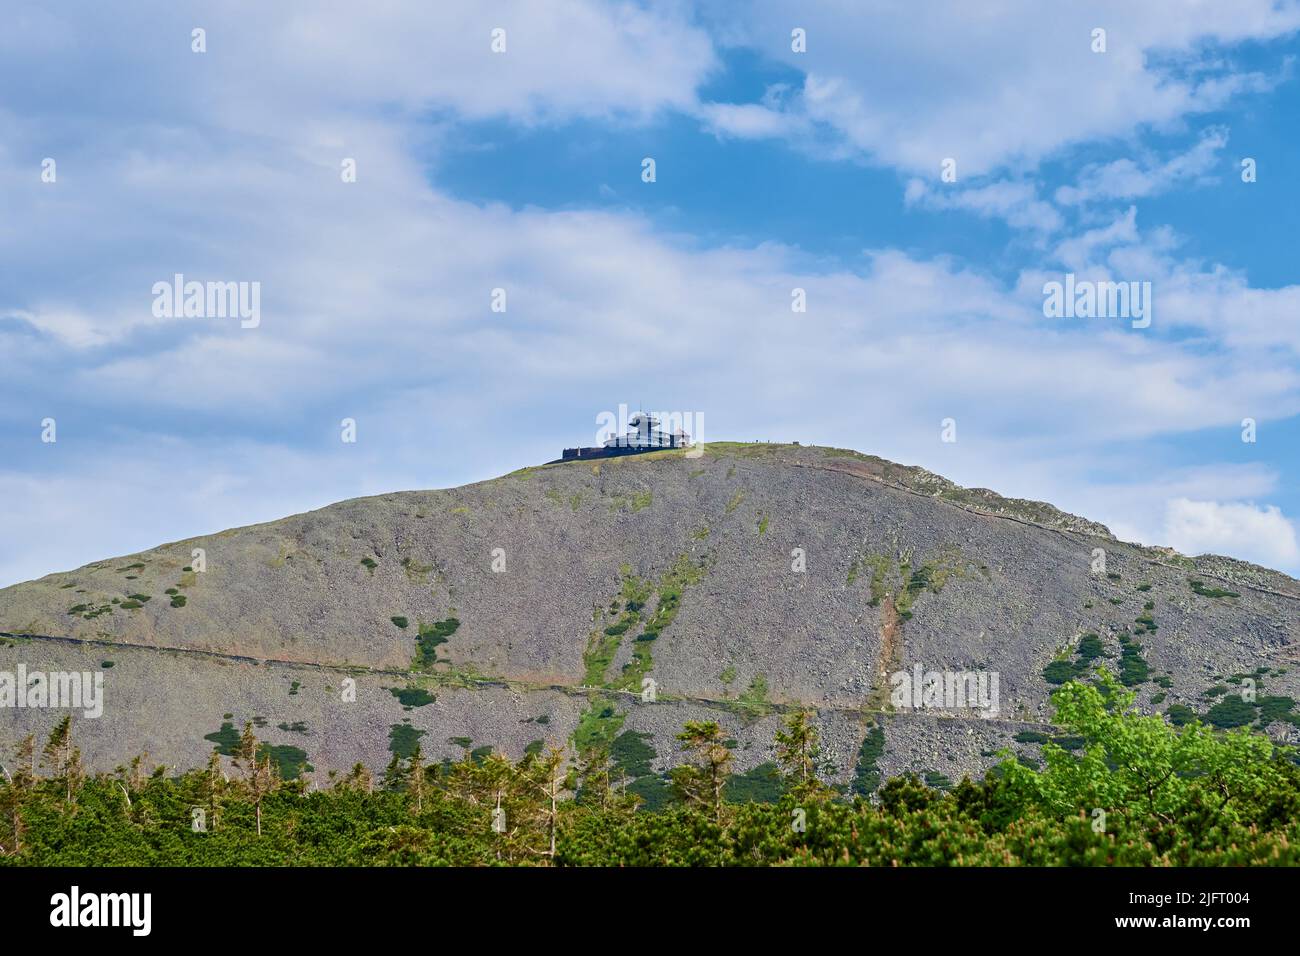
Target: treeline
(1137, 792)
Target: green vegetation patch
(941, 781)
(89, 612)
(1273, 708)
(431, 636)
(604, 643)
(412, 696)
(762, 784)
(674, 582)
(1230, 712)
(655, 792)
(866, 775)
(903, 582)
(598, 726)
(1210, 592)
(1133, 669)
(402, 739)
(1061, 670)
(416, 572)
(632, 755)
(290, 760)
(226, 739)
(1031, 737)
(638, 501)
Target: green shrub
(1059, 672)
(1210, 592)
(1230, 712)
(412, 696)
(431, 636)
(1031, 737)
(866, 775)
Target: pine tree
(701, 782)
(359, 778)
(64, 759)
(74, 775)
(415, 778)
(551, 783)
(17, 786)
(394, 775)
(135, 774)
(213, 789)
(25, 762)
(595, 774)
(260, 774)
(798, 750)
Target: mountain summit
(603, 603)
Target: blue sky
(521, 170)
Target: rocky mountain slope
(532, 609)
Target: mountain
(742, 579)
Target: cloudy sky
(522, 170)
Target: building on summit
(643, 434)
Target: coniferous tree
(63, 758)
(259, 773)
(798, 750)
(415, 782)
(213, 789)
(18, 785)
(701, 782)
(547, 777)
(395, 775)
(359, 778)
(595, 772)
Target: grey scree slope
(902, 567)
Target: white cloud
(1257, 533)
(1015, 202)
(375, 296)
(1002, 84)
(1127, 179)
(564, 59)
(748, 120)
